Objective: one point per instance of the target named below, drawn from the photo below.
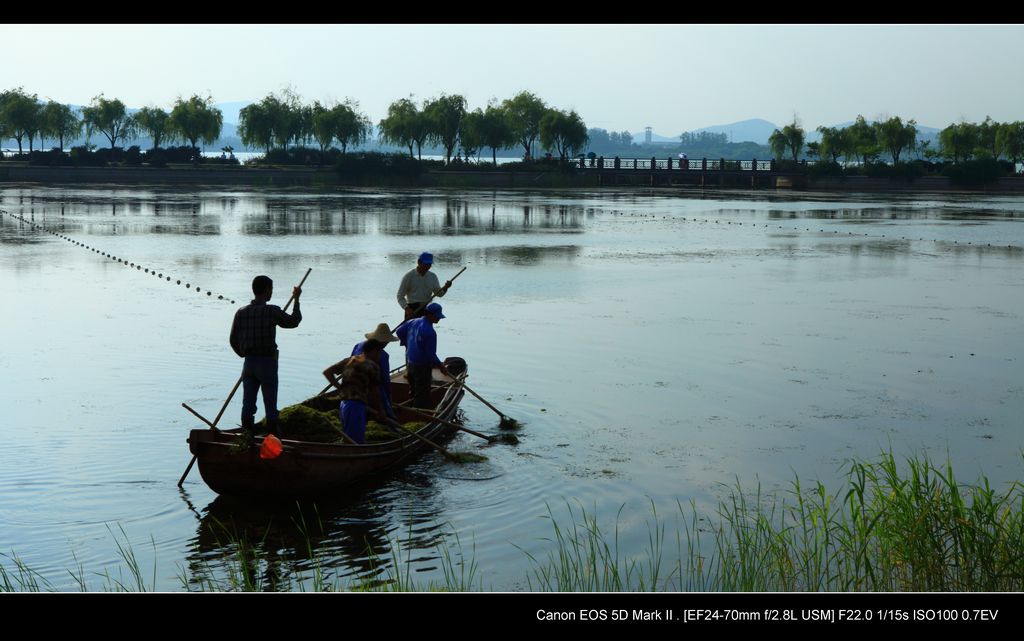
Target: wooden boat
(308, 469)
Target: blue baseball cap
(434, 309)
(426, 258)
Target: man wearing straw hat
(383, 336)
(419, 285)
(359, 387)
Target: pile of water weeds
(303, 423)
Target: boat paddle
(461, 457)
(504, 438)
(231, 395)
(507, 422)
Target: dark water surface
(651, 356)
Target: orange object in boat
(271, 447)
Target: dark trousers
(419, 383)
(415, 310)
(259, 373)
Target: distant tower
(647, 135)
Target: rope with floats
(835, 233)
(118, 259)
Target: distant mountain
(755, 130)
(641, 137)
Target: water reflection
(355, 539)
(280, 214)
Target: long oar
(505, 438)
(454, 458)
(231, 395)
(506, 421)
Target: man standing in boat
(421, 359)
(383, 336)
(419, 285)
(254, 338)
(359, 387)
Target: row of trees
(24, 116)
(279, 120)
(965, 140)
(520, 120)
(867, 142)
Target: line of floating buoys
(123, 261)
(849, 233)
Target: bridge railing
(681, 164)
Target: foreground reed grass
(893, 526)
(913, 528)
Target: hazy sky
(673, 78)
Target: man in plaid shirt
(253, 337)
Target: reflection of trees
(460, 217)
(284, 221)
(167, 211)
(528, 255)
(348, 540)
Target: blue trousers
(259, 373)
(353, 419)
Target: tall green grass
(892, 526)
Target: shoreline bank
(590, 179)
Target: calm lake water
(657, 346)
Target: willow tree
(287, 115)
(156, 122)
(405, 125)
(21, 116)
(496, 131)
(1010, 139)
(863, 139)
(196, 119)
(564, 132)
(988, 140)
(110, 118)
(323, 127)
(789, 138)
(834, 143)
(341, 122)
(256, 127)
(958, 141)
(524, 112)
(444, 117)
(397, 127)
(352, 127)
(895, 136)
(60, 121)
(471, 136)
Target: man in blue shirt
(421, 359)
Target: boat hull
(314, 469)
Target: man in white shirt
(419, 285)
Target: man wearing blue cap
(419, 285)
(421, 359)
